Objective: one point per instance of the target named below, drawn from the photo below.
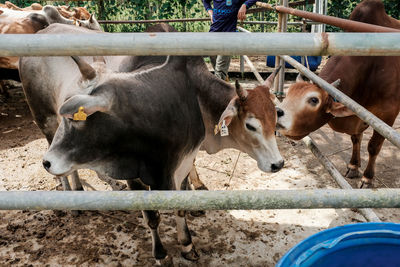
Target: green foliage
(168, 9)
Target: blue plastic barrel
(353, 245)
(313, 62)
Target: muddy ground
(119, 238)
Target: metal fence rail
(385, 130)
(200, 200)
(346, 24)
(369, 214)
(356, 44)
(199, 20)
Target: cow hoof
(352, 173)
(166, 262)
(197, 213)
(365, 183)
(192, 255)
(202, 187)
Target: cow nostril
(277, 166)
(46, 164)
(279, 112)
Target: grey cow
(147, 124)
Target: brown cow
(77, 12)
(373, 82)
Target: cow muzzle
(56, 165)
(275, 167)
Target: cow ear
(90, 105)
(339, 110)
(229, 113)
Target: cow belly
(184, 168)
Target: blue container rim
(333, 233)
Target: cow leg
(76, 182)
(188, 250)
(65, 183)
(194, 180)
(115, 185)
(355, 161)
(195, 183)
(3, 90)
(374, 147)
(152, 219)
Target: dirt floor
(120, 238)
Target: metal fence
(200, 200)
(372, 44)
(355, 44)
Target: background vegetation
(167, 9)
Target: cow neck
(214, 96)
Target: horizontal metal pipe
(385, 130)
(200, 200)
(151, 21)
(309, 142)
(345, 24)
(196, 20)
(224, 43)
(276, 23)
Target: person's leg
(222, 67)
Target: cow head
(85, 119)
(90, 23)
(81, 13)
(251, 118)
(306, 108)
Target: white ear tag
(224, 129)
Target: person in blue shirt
(224, 16)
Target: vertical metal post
(242, 66)
(262, 19)
(282, 27)
(320, 7)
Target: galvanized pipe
(200, 200)
(385, 130)
(253, 69)
(175, 43)
(280, 77)
(151, 21)
(309, 142)
(249, 63)
(345, 24)
(197, 20)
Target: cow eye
(313, 101)
(250, 127)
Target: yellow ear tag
(216, 129)
(80, 115)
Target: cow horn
(242, 93)
(88, 73)
(336, 83)
(268, 82)
(299, 78)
